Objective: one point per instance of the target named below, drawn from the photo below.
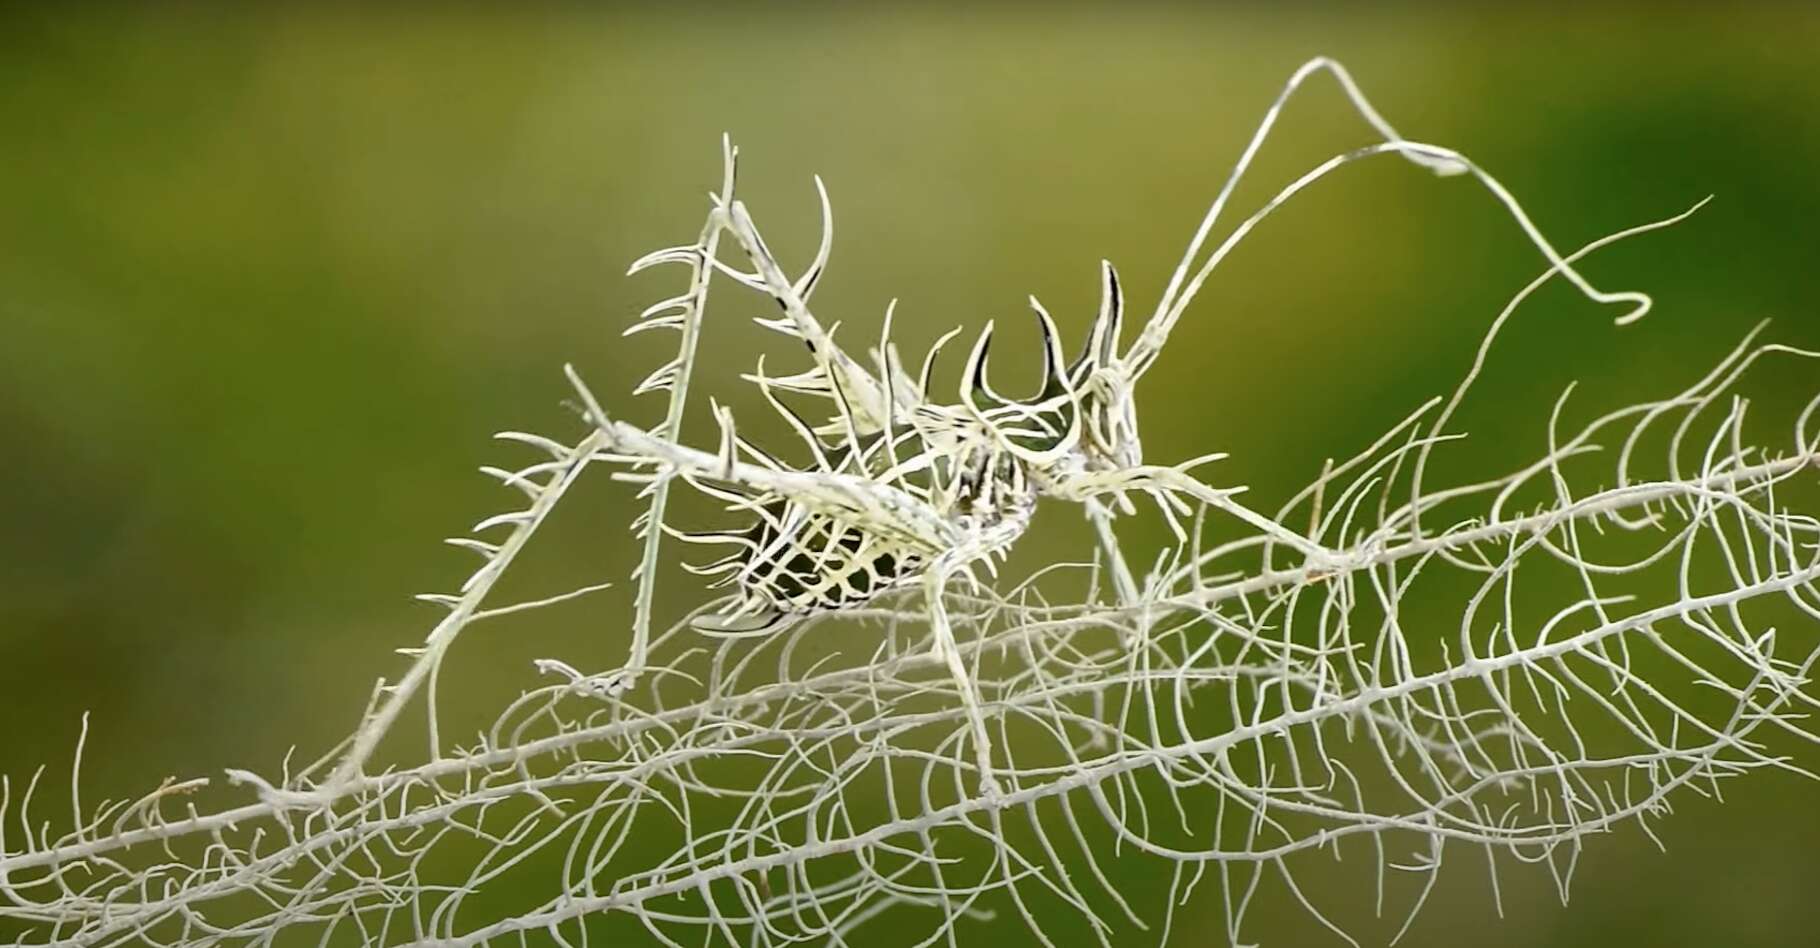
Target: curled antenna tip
(1637, 312)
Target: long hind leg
(946, 649)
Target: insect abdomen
(817, 563)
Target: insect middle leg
(945, 649)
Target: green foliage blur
(268, 281)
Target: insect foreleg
(1171, 480)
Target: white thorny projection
(976, 748)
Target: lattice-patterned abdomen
(817, 563)
(797, 561)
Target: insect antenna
(1182, 289)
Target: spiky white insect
(1548, 717)
(902, 488)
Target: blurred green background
(268, 280)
